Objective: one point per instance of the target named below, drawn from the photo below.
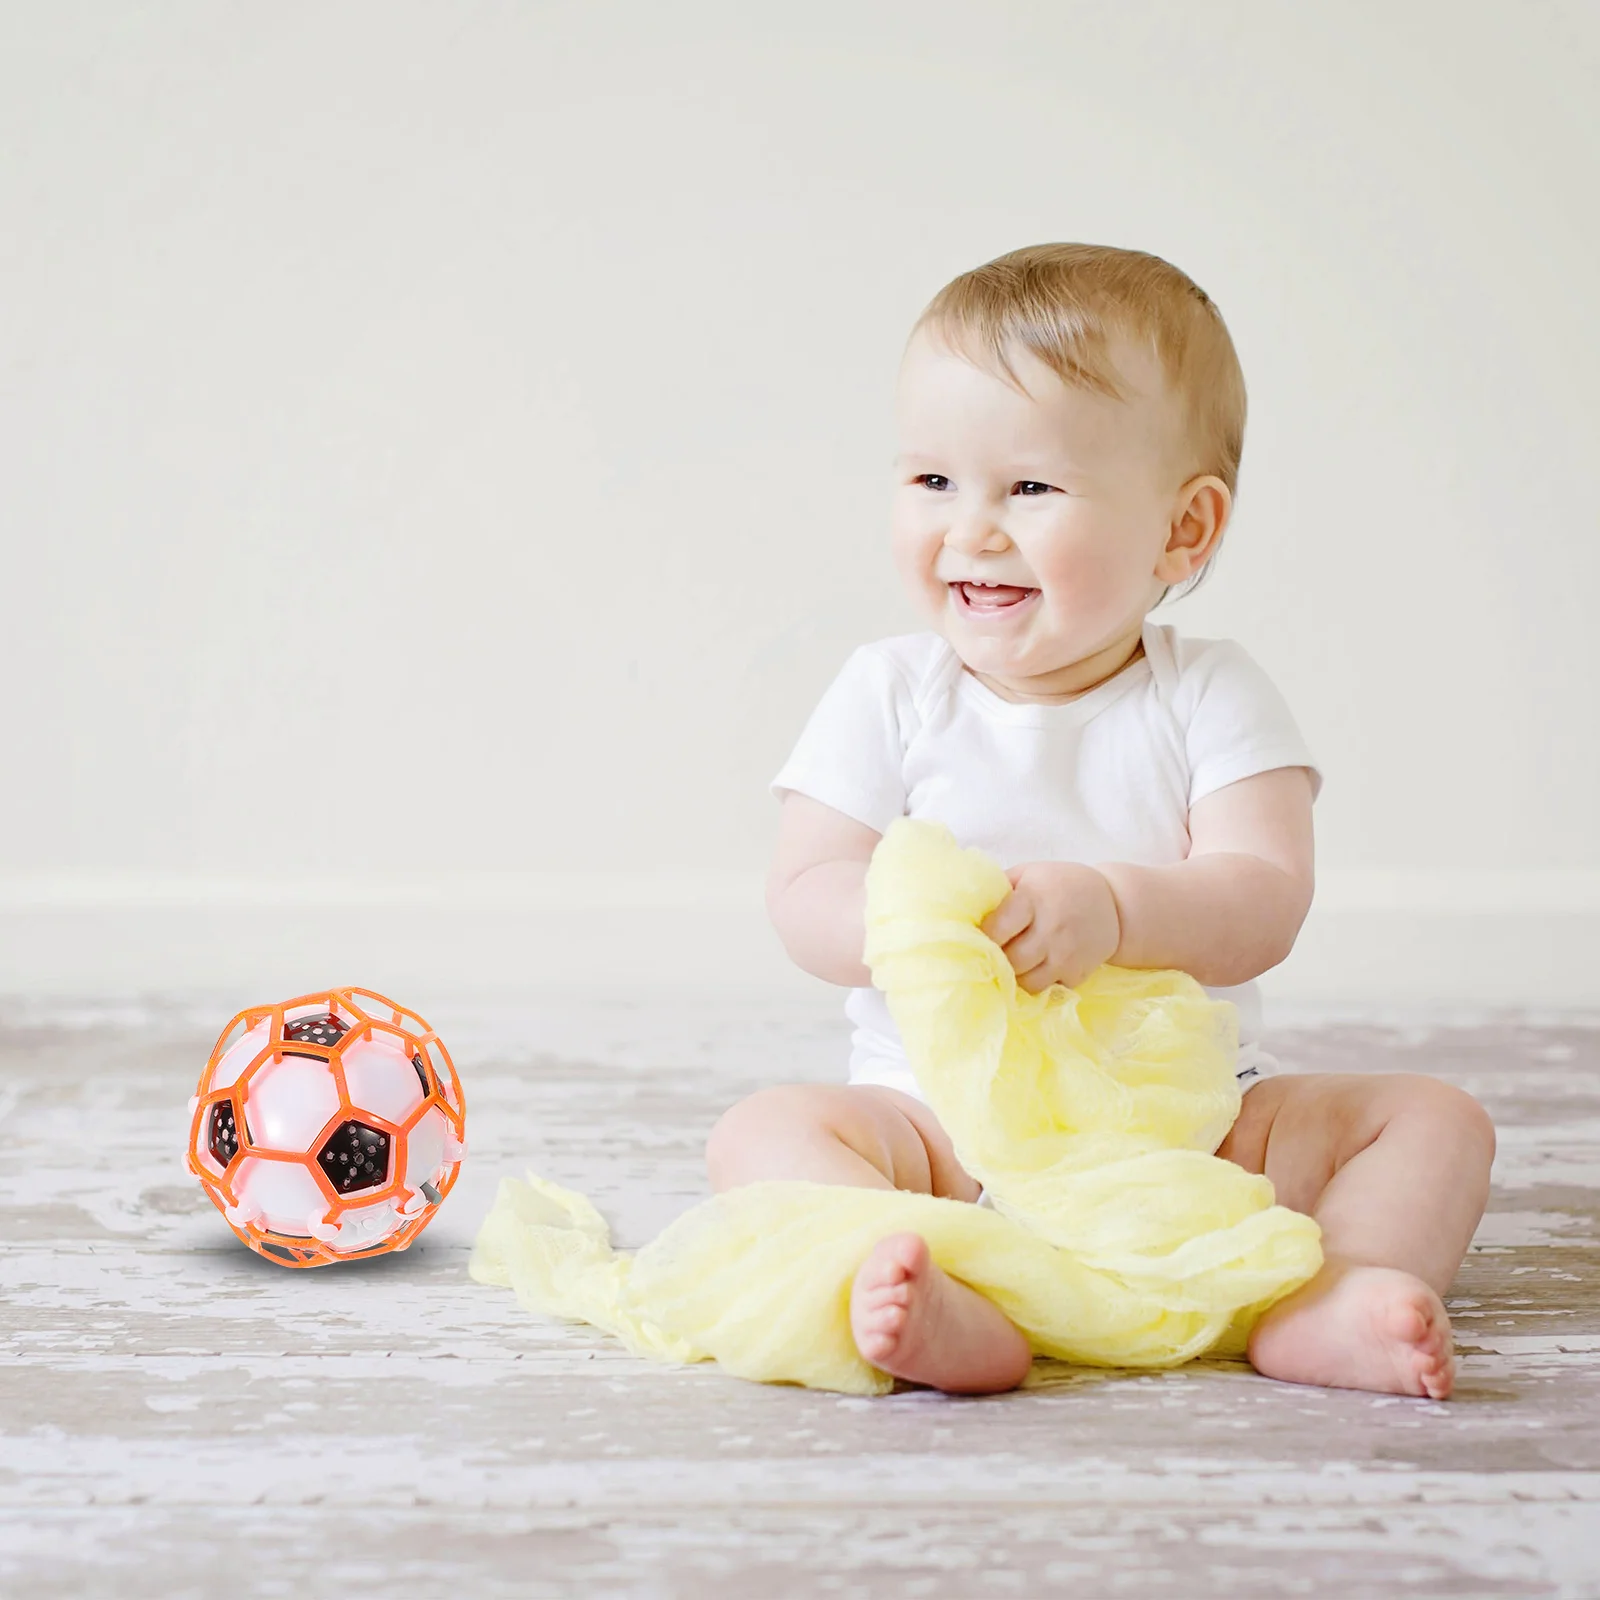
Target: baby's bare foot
(1357, 1327)
(912, 1319)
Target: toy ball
(328, 1128)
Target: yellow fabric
(1089, 1116)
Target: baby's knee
(744, 1135)
(1457, 1116)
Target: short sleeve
(1236, 722)
(851, 753)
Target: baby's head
(1070, 423)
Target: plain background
(445, 455)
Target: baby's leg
(864, 1137)
(1396, 1170)
(909, 1317)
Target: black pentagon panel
(222, 1133)
(355, 1157)
(323, 1030)
(422, 1074)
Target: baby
(1070, 425)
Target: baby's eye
(1031, 486)
(932, 480)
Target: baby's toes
(1433, 1357)
(878, 1333)
(1435, 1335)
(1409, 1323)
(1436, 1365)
(1437, 1375)
(890, 1320)
(908, 1253)
(885, 1265)
(888, 1294)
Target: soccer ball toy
(327, 1128)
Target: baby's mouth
(989, 599)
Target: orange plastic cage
(402, 1208)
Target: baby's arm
(1225, 915)
(1233, 908)
(817, 889)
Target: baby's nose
(976, 533)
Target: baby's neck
(1069, 682)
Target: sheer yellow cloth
(1116, 1238)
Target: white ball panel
(289, 1103)
(425, 1148)
(286, 1193)
(240, 1054)
(381, 1078)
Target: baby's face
(1062, 498)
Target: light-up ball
(328, 1128)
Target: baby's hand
(1057, 925)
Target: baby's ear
(1198, 520)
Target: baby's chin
(995, 658)
(1014, 650)
(1036, 669)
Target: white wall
(445, 446)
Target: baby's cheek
(913, 561)
(902, 549)
(1085, 583)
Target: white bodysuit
(906, 730)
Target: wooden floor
(179, 1417)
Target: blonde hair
(1065, 303)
